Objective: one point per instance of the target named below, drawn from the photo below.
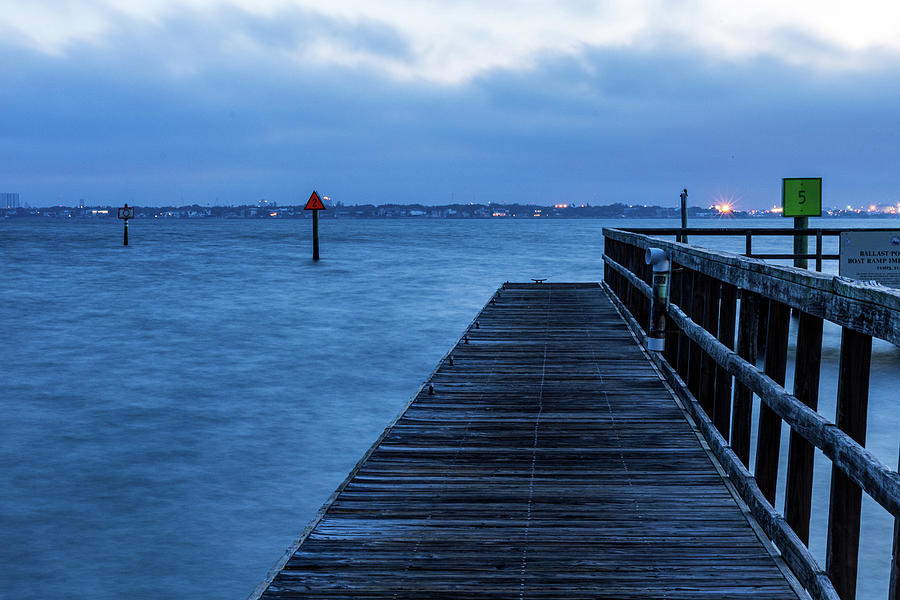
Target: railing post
(768, 439)
(842, 554)
(819, 250)
(798, 491)
(743, 398)
(607, 272)
(628, 289)
(699, 291)
(761, 337)
(710, 323)
(722, 406)
(686, 278)
(748, 243)
(621, 285)
(894, 588)
(637, 298)
(646, 272)
(672, 335)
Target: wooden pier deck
(550, 462)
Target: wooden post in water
(842, 553)
(801, 242)
(683, 237)
(315, 204)
(798, 491)
(125, 213)
(315, 235)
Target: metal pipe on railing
(659, 260)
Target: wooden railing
(748, 234)
(714, 295)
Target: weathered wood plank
(796, 555)
(550, 462)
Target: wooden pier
(544, 458)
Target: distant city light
(560, 206)
(724, 208)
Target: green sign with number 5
(801, 197)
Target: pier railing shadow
(722, 309)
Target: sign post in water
(126, 213)
(315, 204)
(801, 198)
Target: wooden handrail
(740, 231)
(863, 467)
(701, 310)
(870, 309)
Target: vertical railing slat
(722, 406)
(696, 315)
(686, 279)
(894, 587)
(672, 334)
(743, 398)
(798, 493)
(768, 439)
(842, 553)
(710, 322)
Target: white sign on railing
(871, 256)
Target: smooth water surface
(174, 412)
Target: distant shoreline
(418, 211)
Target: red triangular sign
(314, 203)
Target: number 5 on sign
(801, 197)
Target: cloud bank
(598, 102)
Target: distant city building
(9, 200)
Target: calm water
(174, 412)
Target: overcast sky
(184, 101)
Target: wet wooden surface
(550, 462)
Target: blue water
(174, 412)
